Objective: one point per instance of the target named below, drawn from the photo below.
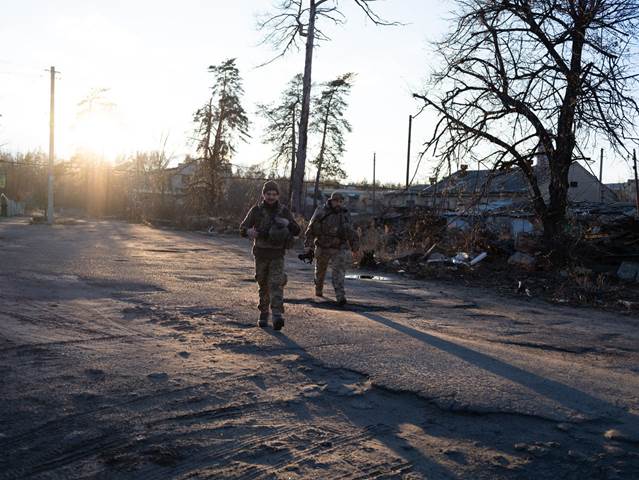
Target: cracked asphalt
(130, 352)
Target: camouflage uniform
(331, 232)
(269, 256)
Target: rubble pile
(603, 269)
(610, 232)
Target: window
(574, 184)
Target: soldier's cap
(269, 186)
(336, 196)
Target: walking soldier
(272, 227)
(331, 233)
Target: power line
(21, 74)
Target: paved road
(109, 291)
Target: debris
(522, 260)
(460, 259)
(628, 271)
(368, 260)
(417, 242)
(437, 258)
(523, 289)
(478, 258)
(527, 243)
(428, 252)
(582, 271)
(628, 304)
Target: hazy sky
(153, 58)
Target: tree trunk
(293, 153)
(214, 164)
(300, 167)
(320, 161)
(215, 160)
(207, 154)
(554, 220)
(317, 181)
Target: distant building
(10, 208)
(178, 177)
(167, 183)
(500, 189)
(626, 192)
(357, 200)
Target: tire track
(222, 456)
(392, 470)
(336, 443)
(65, 456)
(61, 343)
(224, 412)
(53, 426)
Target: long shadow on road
(569, 397)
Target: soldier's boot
(319, 291)
(263, 320)
(341, 301)
(278, 321)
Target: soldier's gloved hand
(252, 233)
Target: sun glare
(100, 133)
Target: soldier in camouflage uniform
(332, 234)
(272, 227)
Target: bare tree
(330, 124)
(522, 77)
(95, 101)
(283, 120)
(291, 21)
(219, 123)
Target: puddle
(366, 277)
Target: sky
(151, 59)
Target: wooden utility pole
(601, 186)
(374, 172)
(410, 128)
(634, 161)
(51, 150)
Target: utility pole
(410, 129)
(374, 171)
(601, 186)
(634, 160)
(51, 149)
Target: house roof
(472, 181)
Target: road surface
(130, 352)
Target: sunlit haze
(151, 59)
